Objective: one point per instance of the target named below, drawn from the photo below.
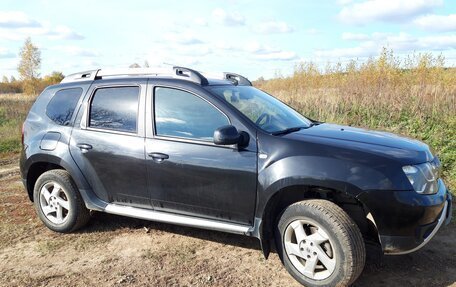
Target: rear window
(61, 107)
(115, 109)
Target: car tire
(319, 244)
(58, 202)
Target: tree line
(30, 81)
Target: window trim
(183, 139)
(73, 115)
(89, 106)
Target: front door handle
(158, 156)
(84, 147)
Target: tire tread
(348, 233)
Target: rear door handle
(84, 147)
(158, 156)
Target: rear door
(108, 142)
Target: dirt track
(117, 251)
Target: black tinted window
(115, 109)
(61, 107)
(182, 114)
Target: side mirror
(229, 135)
(226, 135)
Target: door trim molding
(178, 219)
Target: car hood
(384, 143)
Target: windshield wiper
(287, 131)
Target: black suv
(179, 147)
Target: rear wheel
(319, 244)
(58, 202)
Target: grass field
(13, 110)
(116, 251)
(415, 97)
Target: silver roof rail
(81, 76)
(132, 72)
(176, 72)
(237, 79)
(191, 75)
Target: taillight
(22, 134)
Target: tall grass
(415, 97)
(13, 110)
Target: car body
(241, 179)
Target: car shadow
(434, 265)
(107, 222)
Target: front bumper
(406, 220)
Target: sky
(252, 38)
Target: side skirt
(178, 219)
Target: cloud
(14, 19)
(400, 43)
(224, 45)
(194, 51)
(361, 51)
(256, 48)
(183, 38)
(63, 33)
(312, 31)
(200, 21)
(159, 55)
(354, 36)
(440, 23)
(386, 10)
(77, 51)
(278, 56)
(273, 27)
(343, 2)
(438, 42)
(228, 18)
(268, 53)
(6, 54)
(16, 26)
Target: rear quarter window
(61, 107)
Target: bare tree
(29, 66)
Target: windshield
(268, 113)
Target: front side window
(115, 109)
(265, 111)
(185, 115)
(61, 107)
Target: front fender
(345, 176)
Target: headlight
(423, 177)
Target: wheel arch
(298, 191)
(40, 163)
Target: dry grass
(13, 110)
(414, 97)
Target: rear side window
(115, 109)
(61, 107)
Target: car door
(108, 143)
(187, 172)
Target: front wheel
(319, 244)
